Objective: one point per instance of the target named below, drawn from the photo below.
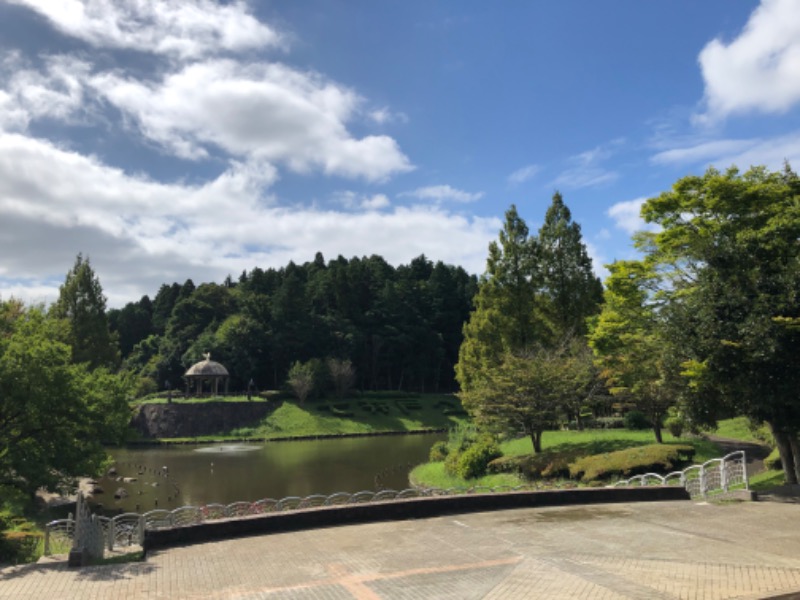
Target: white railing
(715, 478)
(128, 529)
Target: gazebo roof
(207, 368)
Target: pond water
(173, 476)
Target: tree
(301, 380)
(54, 415)
(342, 375)
(525, 392)
(729, 255)
(505, 318)
(82, 303)
(572, 290)
(633, 357)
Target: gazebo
(206, 370)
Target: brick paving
(656, 551)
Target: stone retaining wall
(192, 420)
(414, 508)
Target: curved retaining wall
(413, 508)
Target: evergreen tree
(568, 282)
(82, 303)
(505, 318)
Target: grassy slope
(580, 443)
(367, 414)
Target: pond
(173, 476)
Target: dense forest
(400, 327)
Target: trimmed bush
(473, 461)
(658, 458)
(636, 420)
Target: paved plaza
(614, 551)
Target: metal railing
(715, 478)
(128, 529)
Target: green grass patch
(434, 475)
(367, 414)
(600, 441)
(653, 458)
(179, 399)
(740, 428)
(560, 449)
(766, 480)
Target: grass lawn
(433, 475)
(739, 428)
(365, 414)
(767, 480)
(600, 441)
(179, 399)
(562, 448)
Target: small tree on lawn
(301, 380)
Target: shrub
(635, 420)
(473, 461)
(674, 425)
(439, 452)
(631, 461)
(21, 546)
(451, 462)
(676, 421)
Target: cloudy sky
(184, 139)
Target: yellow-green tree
(628, 346)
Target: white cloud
(770, 152)
(268, 111)
(626, 216)
(760, 69)
(523, 174)
(55, 92)
(383, 116)
(701, 152)
(180, 28)
(584, 177)
(353, 200)
(376, 202)
(140, 233)
(585, 169)
(440, 193)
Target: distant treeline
(400, 327)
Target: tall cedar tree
(82, 303)
(568, 282)
(515, 323)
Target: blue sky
(194, 138)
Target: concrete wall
(413, 508)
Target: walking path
(658, 550)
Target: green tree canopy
(54, 414)
(571, 289)
(628, 344)
(728, 252)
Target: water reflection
(172, 476)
